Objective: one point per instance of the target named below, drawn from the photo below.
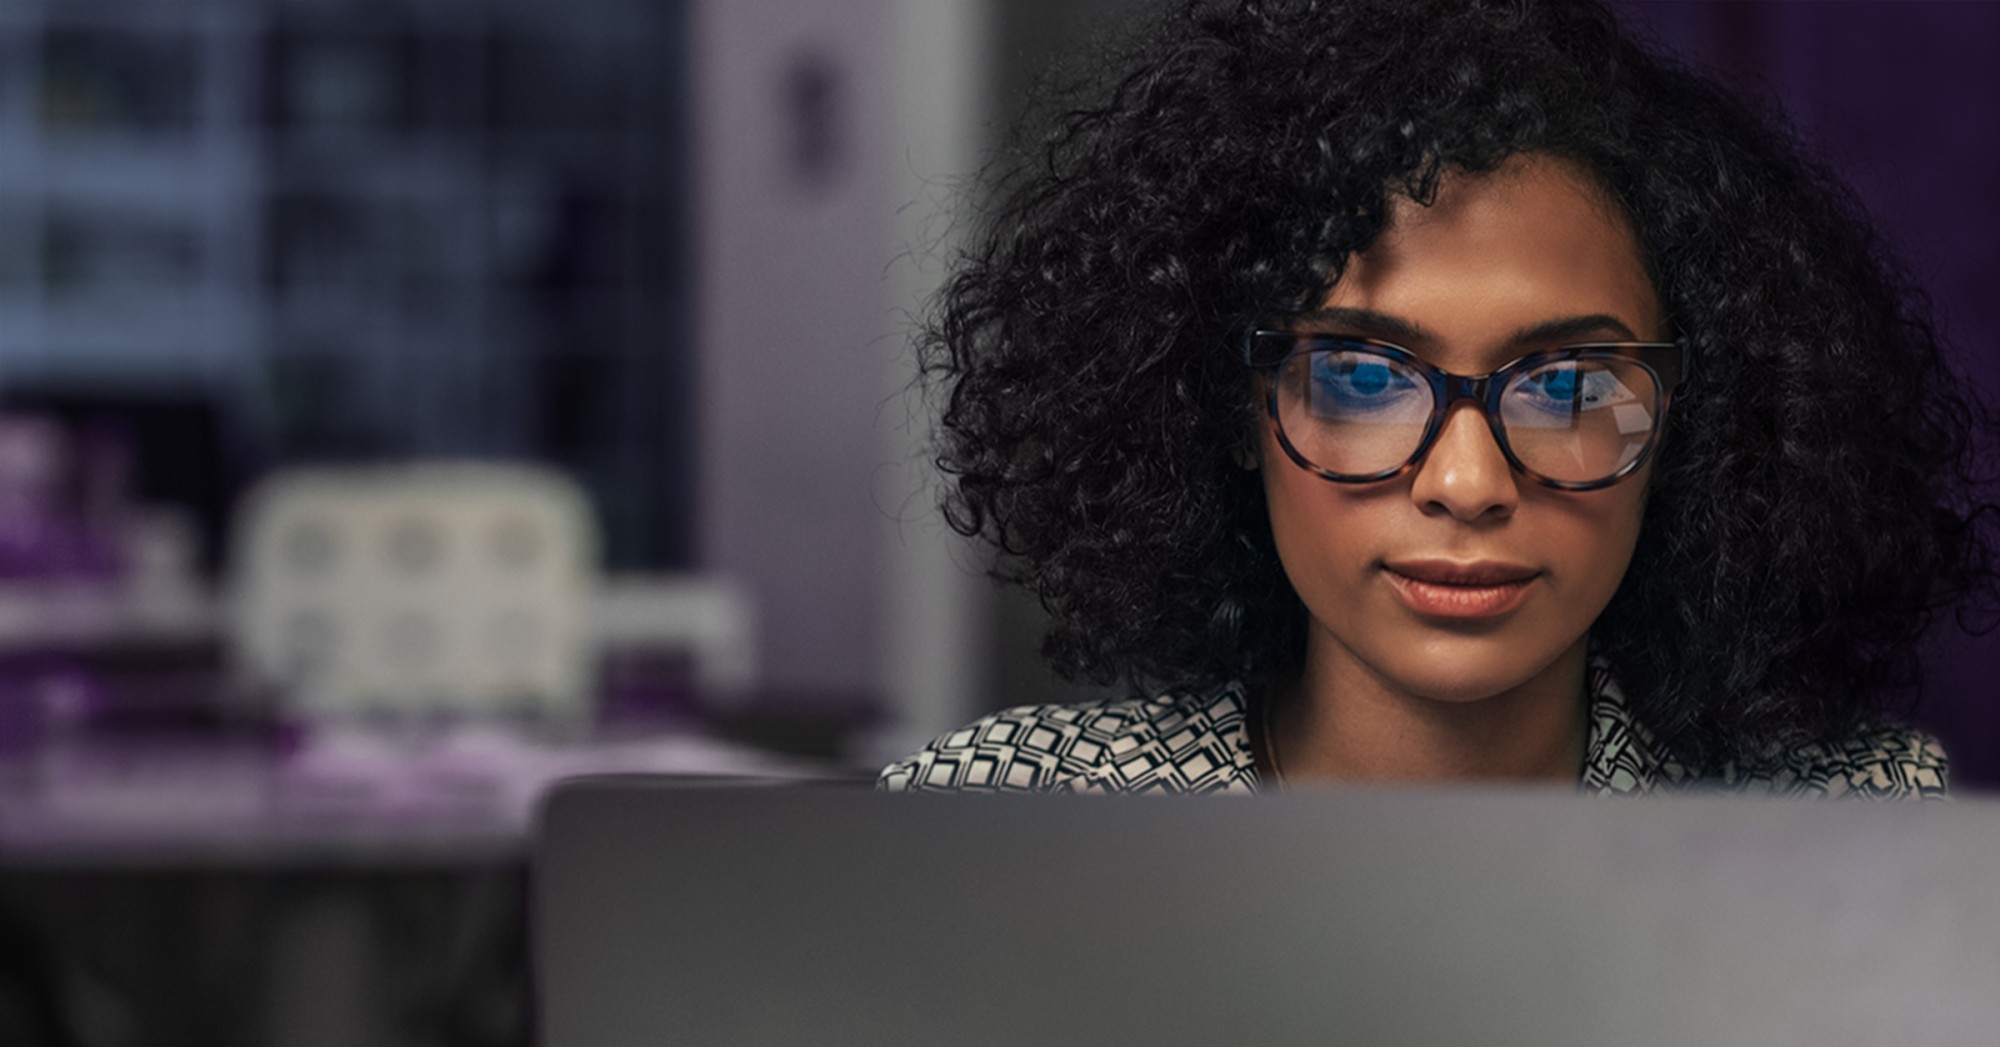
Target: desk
(343, 800)
(350, 890)
(247, 891)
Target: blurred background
(405, 403)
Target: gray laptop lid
(776, 916)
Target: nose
(1466, 474)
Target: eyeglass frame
(1484, 390)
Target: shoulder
(1877, 762)
(1880, 761)
(1177, 742)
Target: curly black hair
(1817, 498)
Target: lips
(1451, 589)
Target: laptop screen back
(767, 916)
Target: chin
(1460, 672)
(1461, 689)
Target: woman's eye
(1555, 383)
(1359, 381)
(1576, 387)
(1555, 388)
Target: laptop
(713, 915)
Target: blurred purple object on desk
(62, 496)
(22, 717)
(60, 499)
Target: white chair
(423, 590)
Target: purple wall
(791, 118)
(1904, 100)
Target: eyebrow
(1392, 328)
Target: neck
(1341, 720)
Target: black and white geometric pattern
(1183, 744)
(1200, 743)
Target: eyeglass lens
(1354, 412)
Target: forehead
(1534, 241)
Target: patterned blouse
(1200, 743)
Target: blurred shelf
(710, 620)
(75, 615)
(201, 188)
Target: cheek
(1289, 505)
(1322, 530)
(1593, 537)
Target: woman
(1401, 391)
